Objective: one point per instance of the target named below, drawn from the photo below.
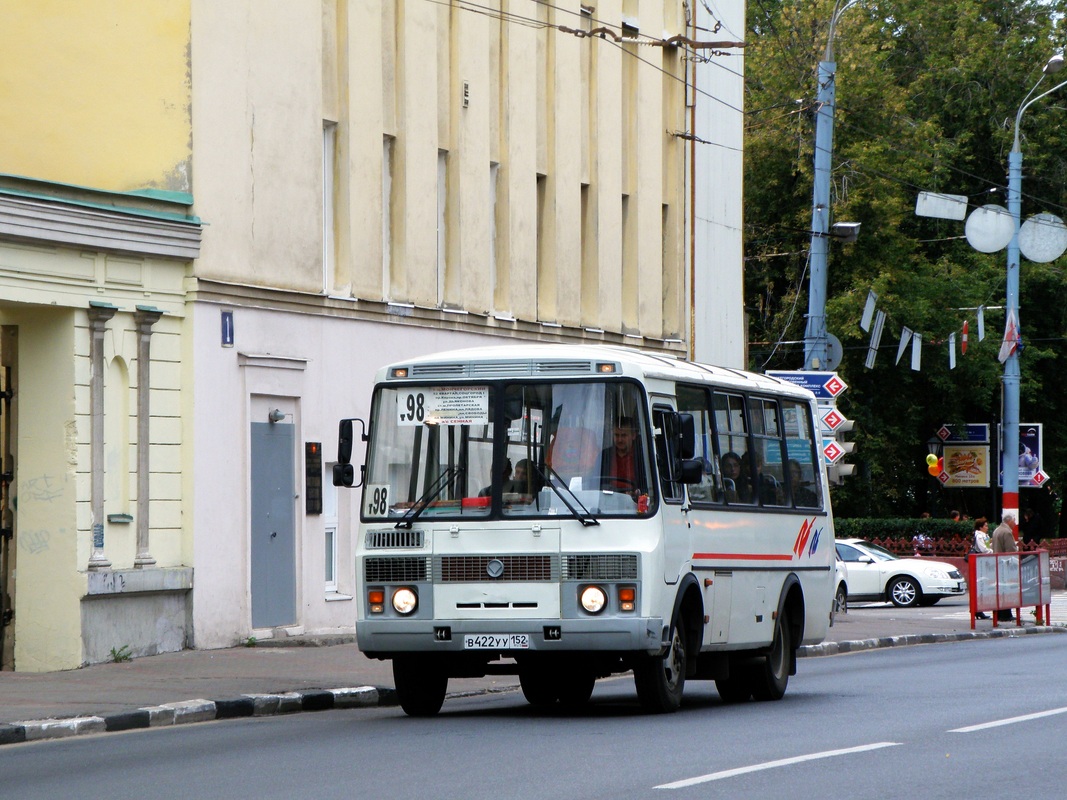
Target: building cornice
(46, 220)
(234, 295)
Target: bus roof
(577, 360)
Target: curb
(190, 711)
(264, 705)
(837, 648)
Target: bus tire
(660, 679)
(771, 675)
(575, 689)
(420, 685)
(538, 687)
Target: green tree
(926, 100)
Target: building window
(387, 214)
(329, 520)
(329, 231)
(442, 229)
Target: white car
(875, 574)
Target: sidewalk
(316, 673)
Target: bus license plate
(496, 641)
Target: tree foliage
(926, 100)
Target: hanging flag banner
(868, 310)
(963, 342)
(952, 351)
(981, 323)
(916, 351)
(1010, 345)
(876, 339)
(905, 337)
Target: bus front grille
(597, 567)
(411, 569)
(385, 539)
(509, 568)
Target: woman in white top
(981, 545)
(981, 536)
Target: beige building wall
(472, 163)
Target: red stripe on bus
(746, 556)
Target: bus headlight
(405, 601)
(593, 599)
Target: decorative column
(146, 317)
(99, 314)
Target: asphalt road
(975, 719)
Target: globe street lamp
(1010, 429)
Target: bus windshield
(508, 450)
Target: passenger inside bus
(802, 495)
(768, 491)
(505, 479)
(731, 477)
(619, 467)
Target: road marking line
(1010, 721)
(784, 762)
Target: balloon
(940, 465)
(933, 470)
(931, 460)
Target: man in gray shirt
(1004, 542)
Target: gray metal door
(273, 525)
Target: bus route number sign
(443, 405)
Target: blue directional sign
(824, 385)
(964, 433)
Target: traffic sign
(824, 385)
(832, 451)
(1039, 479)
(832, 419)
(975, 433)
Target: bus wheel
(538, 687)
(575, 689)
(735, 689)
(660, 680)
(771, 675)
(420, 685)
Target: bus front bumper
(510, 637)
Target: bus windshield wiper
(420, 505)
(584, 516)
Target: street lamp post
(1009, 464)
(815, 335)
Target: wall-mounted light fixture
(275, 415)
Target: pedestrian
(1004, 542)
(980, 544)
(981, 536)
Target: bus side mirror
(691, 470)
(344, 445)
(345, 435)
(343, 475)
(686, 436)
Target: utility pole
(815, 335)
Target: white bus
(567, 512)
